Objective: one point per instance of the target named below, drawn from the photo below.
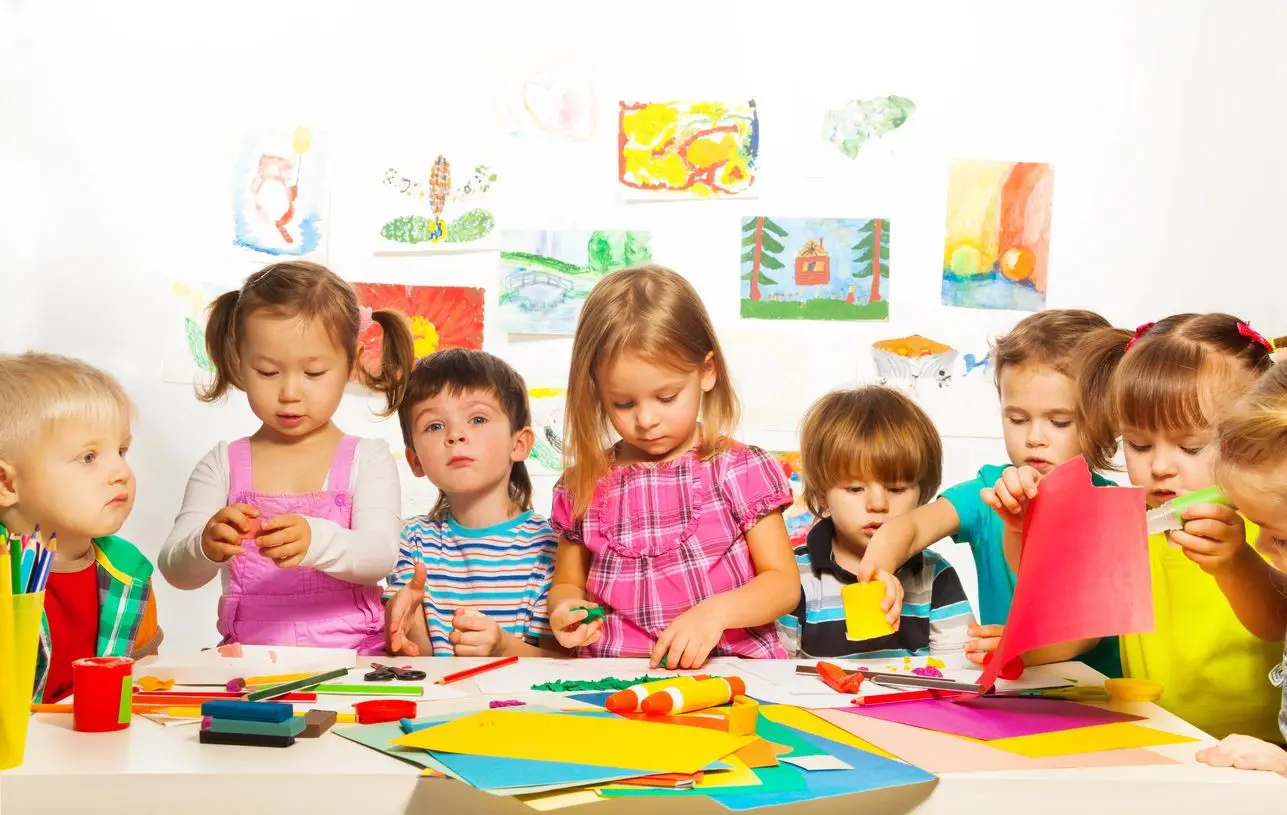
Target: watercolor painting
(980, 362)
(184, 358)
(442, 205)
(547, 274)
(441, 317)
(799, 520)
(556, 99)
(908, 360)
(997, 251)
(815, 268)
(683, 150)
(547, 426)
(859, 121)
(280, 192)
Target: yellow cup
(19, 637)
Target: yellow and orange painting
(997, 251)
(687, 149)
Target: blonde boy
(64, 433)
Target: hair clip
(1255, 336)
(1139, 332)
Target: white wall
(1163, 122)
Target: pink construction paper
(991, 717)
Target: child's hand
(285, 539)
(476, 635)
(568, 627)
(986, 639)
(892, 605)
(1213, 535)
(221, 539)
(404, 614)
(1011, 494)
(1245, 753)
(689, 638)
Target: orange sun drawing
(441, 317)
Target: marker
(477, 669)
(274, 691)
(629, 700)
(704, 694)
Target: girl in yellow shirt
(1166, 387)
(1252, 470)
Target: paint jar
(102, 693)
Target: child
(485, 557)
(870, 455)
(1167, 387)
(1042, 429)
(64, 433)
(676, 529)
(1251, 468)
(300, 520)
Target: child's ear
(708, 374)
(8, 485)
(523, 441)
(413, 461)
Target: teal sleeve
(964, 498)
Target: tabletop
(153, 768)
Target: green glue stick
(1168, 517)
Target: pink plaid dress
(667, 536)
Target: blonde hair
(40, 390)
(1046, 338)
(313, 292)
(871, 433)
(1171, 376)
(655, 313)
(1253, 434)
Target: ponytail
(397, 358)
(221, 346)
(1097, 357)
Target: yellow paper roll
(19, 637)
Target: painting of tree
(761, 250)
(872, 253)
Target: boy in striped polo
(867, 455)
(473, 574)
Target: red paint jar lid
(377, 711)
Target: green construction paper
(608, 683)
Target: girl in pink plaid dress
(676, 529)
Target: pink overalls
(268, 605)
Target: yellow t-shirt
(1214, 673)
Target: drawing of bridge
(538, 290)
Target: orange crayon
(629, 700)
(698, 696)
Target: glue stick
(629, 700)
(698, 696)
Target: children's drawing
(815, 269)
(998, 235)
(441, 317)
(547, 426)
(440, 206)
(797, 516)
(979, 363)
(859, 121)
(547, 274)
(557, 100)
(184, 359)
(907, 360)
(279, 192)
(687, 149)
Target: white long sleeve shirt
(364, 554)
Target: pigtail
(221, 346)
(1097, 356)
(397, 358)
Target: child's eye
(88, 458)
(623, 405)
(1193, 451)
(855, 490)
(1139, 448)
(478, 420)
(1015, 420)
(898, 490)
(266, 374)
(667, 399)
(1062, 423)
(433, 427)
(315, 374)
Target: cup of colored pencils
(25, 562)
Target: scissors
(383, 673)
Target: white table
(150, 768)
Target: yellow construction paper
(1087, 740)
(598, 742)
(864, 619)
(550, 801)
(801, 719)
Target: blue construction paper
(598, 698)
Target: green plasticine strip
(609, 683)
(371, 689)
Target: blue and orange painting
(815, 268)
(279, 190)
(997, 251)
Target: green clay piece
(592, 614)
(609, 683)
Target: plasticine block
(245, 739)
(292, 727)
(317, 722)
(248, 711)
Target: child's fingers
(980, 631)
(977, 659)
(661, 648)
(1028, 478)
(471, 622)
(417, 583)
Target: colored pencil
(40, 576)
(476, 670)
(274, 691)
(9, 578)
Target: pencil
(274, 691)
(477, 669)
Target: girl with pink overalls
(300, 520)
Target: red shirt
(71, 607)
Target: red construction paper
(1084, 571)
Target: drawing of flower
(441, 317)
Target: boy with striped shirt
(868, 455)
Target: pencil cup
(102, 693)
(19, 639)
